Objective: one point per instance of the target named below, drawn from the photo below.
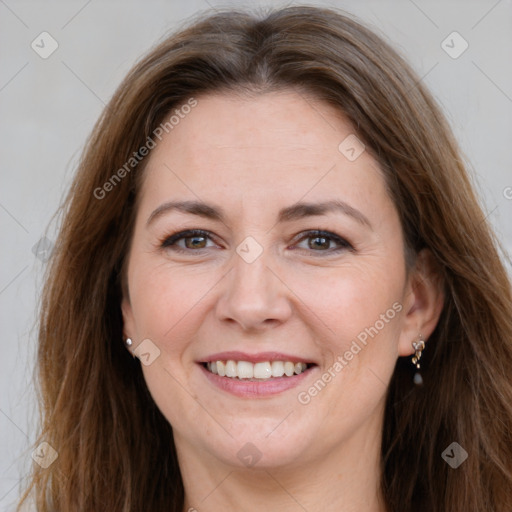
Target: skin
(252, 156)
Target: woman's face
(258, 288)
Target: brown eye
(319, 242)
(190, 241)
(324, 241)
(195, 242)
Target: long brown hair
(115, 448)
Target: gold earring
(418, 350)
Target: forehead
(285, 123)
(262, 148)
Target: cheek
(348, 300)
(165, 297)
(360, 312)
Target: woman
(274, 288)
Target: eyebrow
(288, 214)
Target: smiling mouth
(256, 372)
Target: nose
(253, 297)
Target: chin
(261, 444)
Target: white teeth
(277, 368)
(231, 369)
(263, 370)
(245, 370)
(289, 368)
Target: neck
(345, 479)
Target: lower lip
(253, 389)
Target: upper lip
(260, 357)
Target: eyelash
(170, 241)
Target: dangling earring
(418, 347)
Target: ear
(423, 302)
(128, 319)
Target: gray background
(48, 107)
